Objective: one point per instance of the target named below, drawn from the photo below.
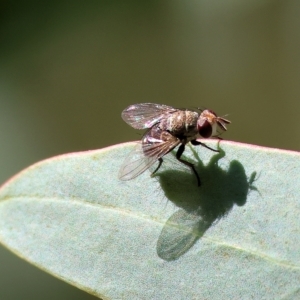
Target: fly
(167, 127)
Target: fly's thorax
(181, 123)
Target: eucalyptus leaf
(162, 237)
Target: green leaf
(162, 237)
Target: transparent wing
(145, 115)
(136, 163)
(140, 159)
(158, 148)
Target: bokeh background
(68, 69)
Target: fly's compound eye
(204, 128)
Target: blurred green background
(68, 69)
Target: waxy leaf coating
(162, 237)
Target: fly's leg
(160, 161)
(178, 155)
(196, 143)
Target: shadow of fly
(167, 127)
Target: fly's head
(208, 123)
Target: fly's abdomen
(151, 139)
(158, 142)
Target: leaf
(162, 237)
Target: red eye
(204, 128)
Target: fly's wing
(136, 163)
(145, 115)
(142, 157)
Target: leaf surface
(162, 237)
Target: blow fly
(167, 127)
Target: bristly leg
(197, 143)
(178, 155)
(160, 161)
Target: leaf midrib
(80, 201)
